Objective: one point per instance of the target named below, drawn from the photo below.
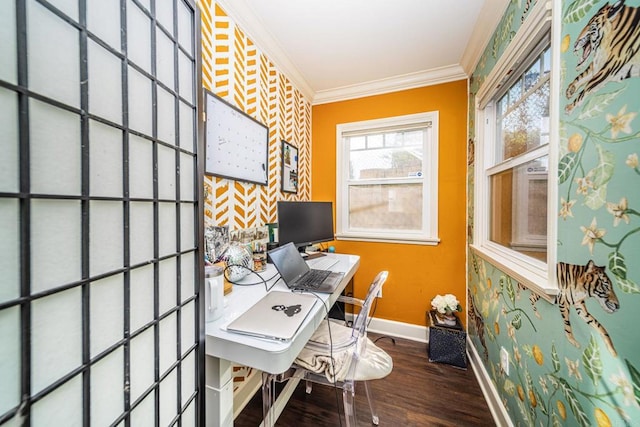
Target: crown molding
(392, 84)
(487, 22)
(256, 31)
(253, 27)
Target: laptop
(276, 316)
(297, 274)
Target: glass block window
(101, 208)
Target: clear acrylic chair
(338, 356)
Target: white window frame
(534, 274)
(428, 235)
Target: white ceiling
(341, 49)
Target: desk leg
(272, 407)
(219, 392)
(268, 398)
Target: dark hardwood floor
(416, 393)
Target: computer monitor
(305, 223)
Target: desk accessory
(213, 292)
(278, 316)
(238, 260)
(236, 143)
(289, 168)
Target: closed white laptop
(278, 316)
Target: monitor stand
(306, 255)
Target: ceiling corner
(244, 17)
(392, 84)
(486, 24)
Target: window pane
(376, 141)
(358, 142)
(523, 126)
(531, 77)
(402, 158)
(518, 218)
(388, 179)
(384, 207)
(546, 60)
(522, 114)
(515, 92)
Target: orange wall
(416, 273)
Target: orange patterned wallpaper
(234, 68)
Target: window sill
(534, 279)
(382, 239)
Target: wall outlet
(504, 360)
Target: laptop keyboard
(313, 278)
(323, 263)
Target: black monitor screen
(305, 223)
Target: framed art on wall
(289, 168)
(236, 143)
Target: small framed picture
(289, 168)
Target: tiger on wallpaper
(526, 8)
(577, 283)
(612, 37)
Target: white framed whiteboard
(236, 144)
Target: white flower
(445, 303)
(626, 387)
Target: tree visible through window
(515, 181)
(518, 178)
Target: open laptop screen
(288, 262)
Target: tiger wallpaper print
(577, 283)
(584, 370)
(611, 39)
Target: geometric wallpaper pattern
(236, 70)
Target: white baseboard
(399, 329)
(498, 411)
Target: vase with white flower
(445, 306)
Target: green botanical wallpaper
(575, 361)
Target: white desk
(224, 348)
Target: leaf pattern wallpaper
(576, 360)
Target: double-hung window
(388, 179)
(515, 185)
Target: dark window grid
(25, 215)
(23, 92)
(155, 388)
(178, 343)
(89, 280)
(127, 210)
(157, 373)
(82, 25)
(24, 96)
(85, 368)
(122, 56)
(176, 104)
(89, 198)
(172, 35)
(85, 212)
